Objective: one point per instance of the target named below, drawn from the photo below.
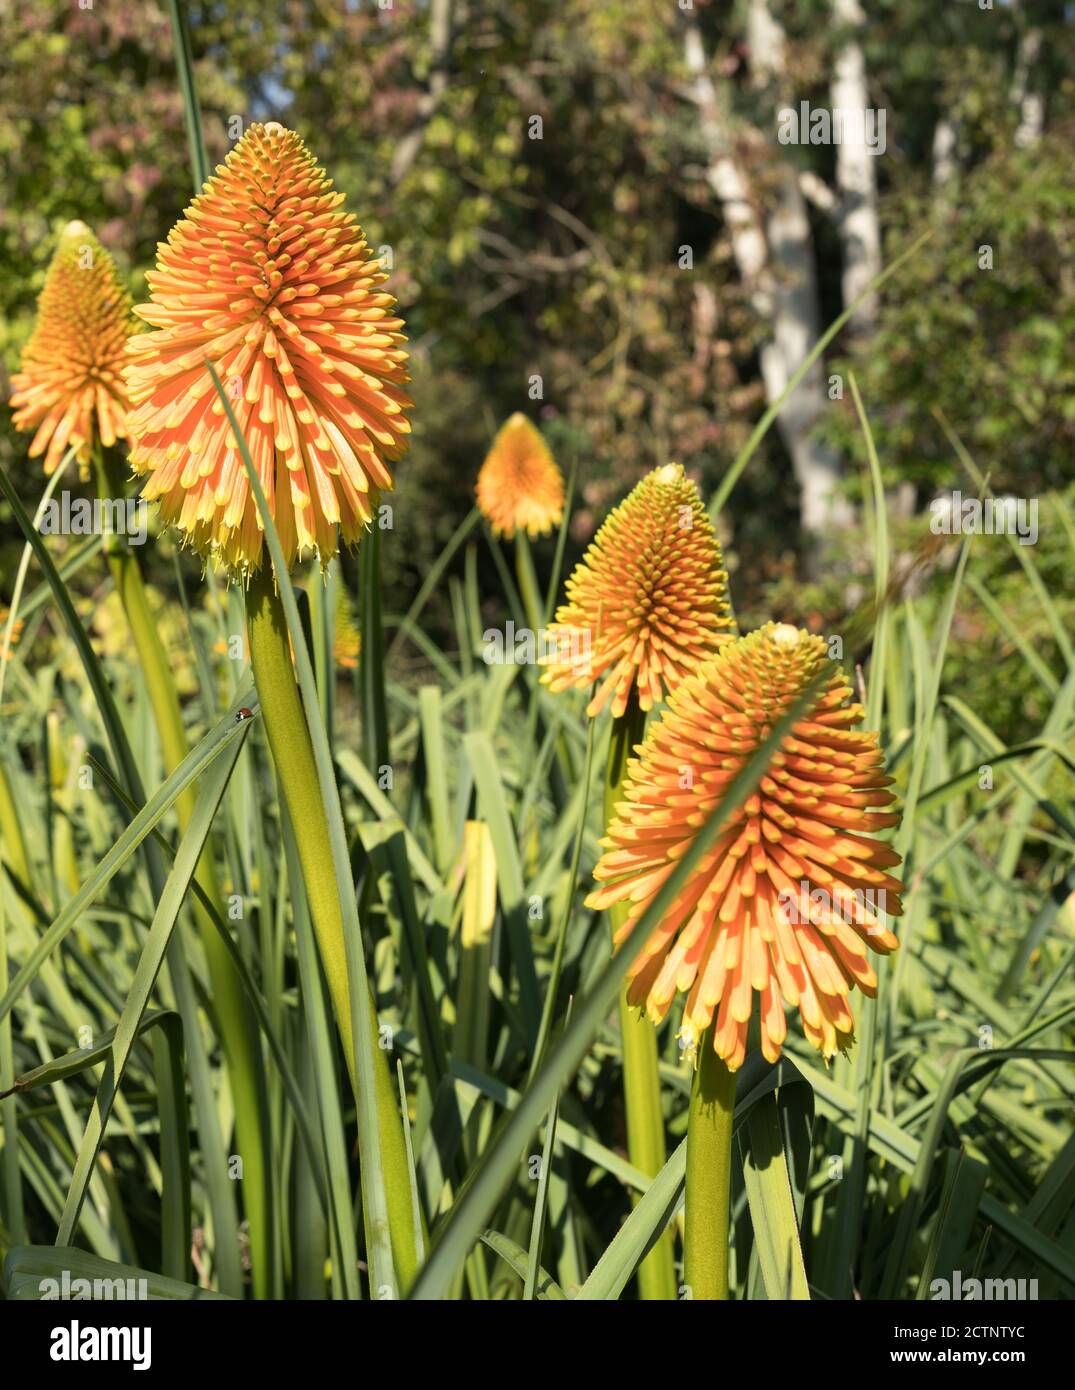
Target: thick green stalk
(563, 773)
(641, 1082)
(296, 771)
(707, 1210)
(528, 585)
(238, 1027)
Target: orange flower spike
(267, 278)
(69, 387)
(788, 898)
(6, 646)
(347, 639)
(520, 487)
(648, 601)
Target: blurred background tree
(590, 217)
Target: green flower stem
(709, 1175)
(641, 1082)
(534, 612)
(238, 1027)
(296, 771)
(528, 585)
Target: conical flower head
(520, 487)
(69, 387)
(648, 601)
(269, 280)
(8, 644)
(793, 891)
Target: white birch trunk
(1031, 104)
(796, 314)
(945, 152)
(778, 272)
(856, 178)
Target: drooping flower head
(520, 487)
(648, 601)
(69, 387)
(794, 889)
(267, 278)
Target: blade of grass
(12, 1208)
(561, 542)
(6, 643)
(760, 430)
(515, 1257)
(1011, 630)
(26, 1266)
(149, 964)
(772, 1204)
(175, 1150)
(432, 721)
(495, 813)
(899, 1252)
(261, 1010)
(416, 1201)
(199, 160)
(848, 1227)
(317, 1018)
(73, 1063)
(216, 742)
(371, 653)
(537, 1227)
(99, 686)
(432, 579)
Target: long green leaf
(209, 795)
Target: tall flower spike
(788, 898)
(520, 487)
(648, 601)
(346, 638)
(69, 386)
(265, 277)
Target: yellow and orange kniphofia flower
(792, 892)
(520, 487)
(267, 278)
(648, 601)
(69, 386)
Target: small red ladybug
(244, 713)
